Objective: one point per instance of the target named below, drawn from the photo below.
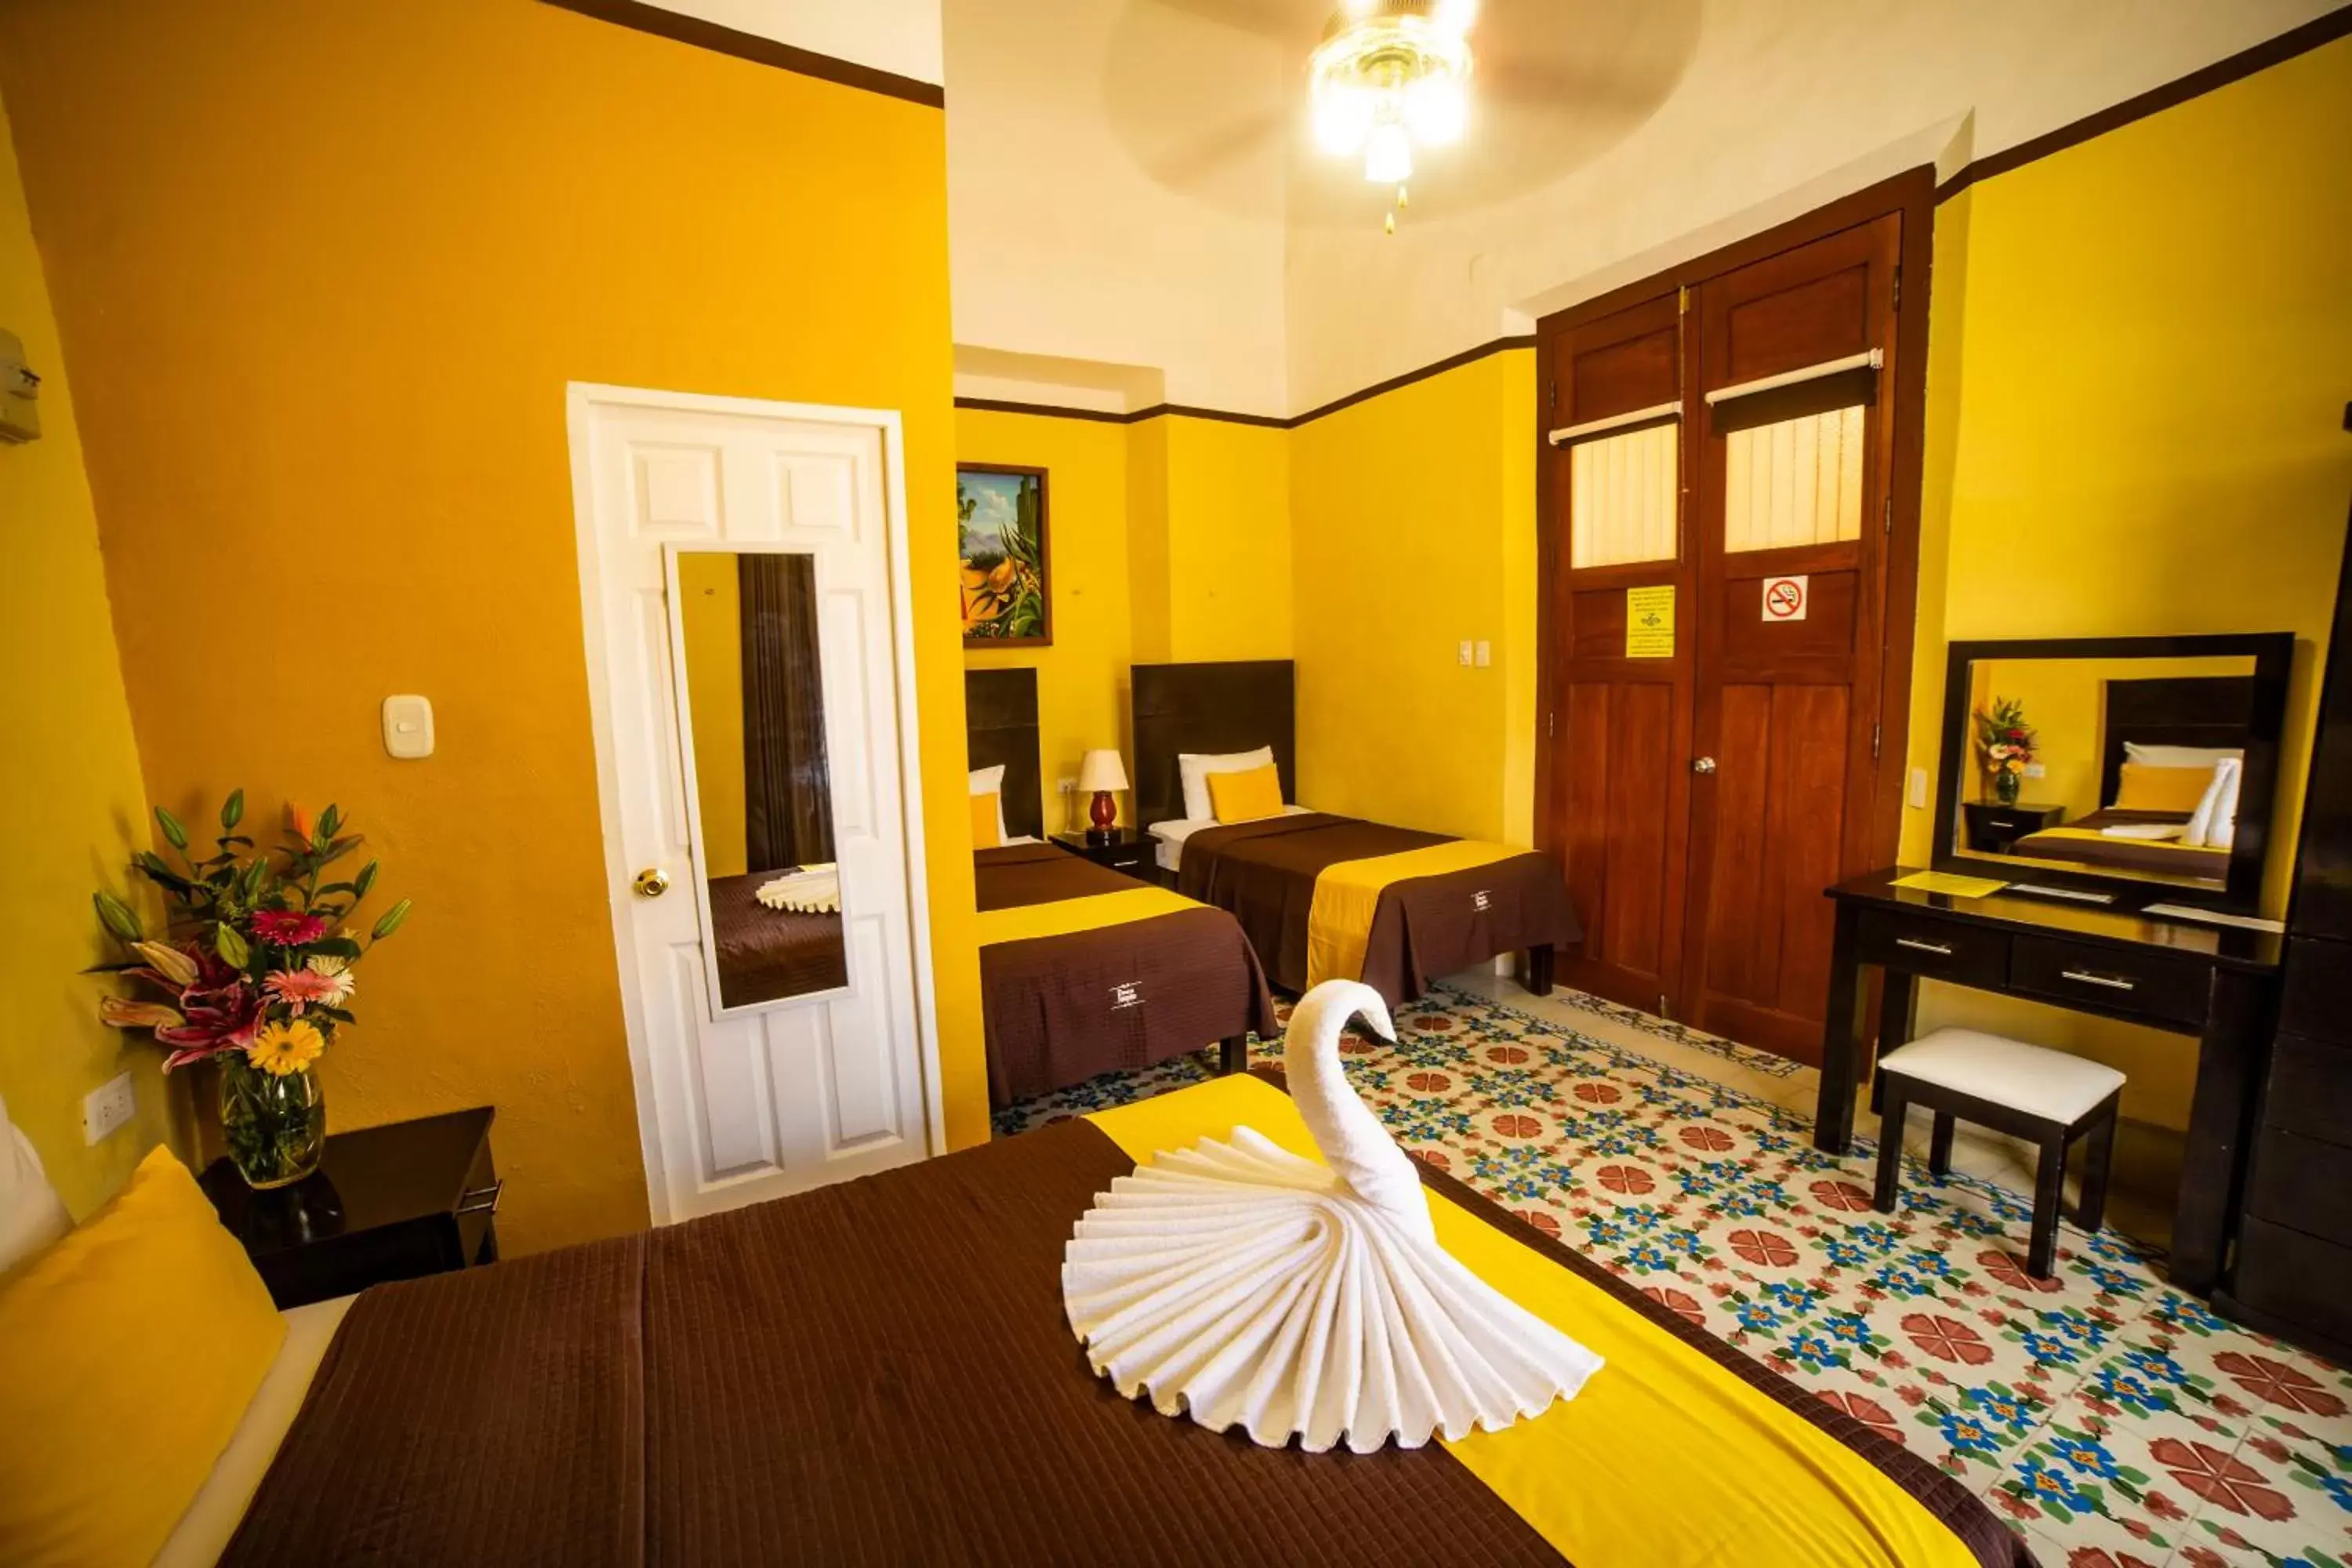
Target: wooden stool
(2049, 1096)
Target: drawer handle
(1915, 945)
(2112, 982)
(482, 1200)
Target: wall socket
(108, 1107)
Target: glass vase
(2005, 787)
(276, 1127)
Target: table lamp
(1102, 773)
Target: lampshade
(1101, 770)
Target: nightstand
(1127, 851)
(1993, 828)
(386, 1203)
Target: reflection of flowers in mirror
(2007, 743)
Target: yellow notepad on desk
(1949, 883)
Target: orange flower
(299, 821)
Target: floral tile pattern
(2110, 1419)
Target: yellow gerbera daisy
(285, 1048)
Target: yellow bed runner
(1092, 913)
(1668, 1457)
(1347, 894)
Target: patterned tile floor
(2107, 1417)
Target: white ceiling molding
(901, 37)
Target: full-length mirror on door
(751, 697)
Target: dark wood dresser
(2292, 1274)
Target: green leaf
(337, 1013)
(328, 820)
(231, 946)
(173, 834)
(365, 880)
(117, 917)
(335, 947)
(332, 888)
(231, 810)
(391, 920)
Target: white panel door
(755, 1102)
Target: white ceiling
(1131, 181)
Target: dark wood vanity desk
(2219, 984)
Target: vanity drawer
(2304, 1183)
(2310, 1090)
(2318, 1000)
(2076, 972)
(1940, 950)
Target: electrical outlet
(1918, 789)
(2034, 769)
(1486, 653)
(1466, 654)
(1068, 787)
(108, 1107)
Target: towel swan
(1244, 1286)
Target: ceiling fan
(1482, 98)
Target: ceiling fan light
(1453, 16)
(1388, 155)
(1436, 109)
(1343, 117)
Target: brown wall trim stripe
(2295, 41)
(641, 17)
(1264, 421)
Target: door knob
(1703, 765)
(652, 882)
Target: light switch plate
(1465, 651)
(1486, 653)
(108, 1107)
(1918, 789)
(408, 727)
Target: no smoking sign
(1785, 597)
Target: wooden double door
(1729, 481)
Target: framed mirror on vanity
(2117, 871)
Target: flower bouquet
(2007, 741)
(255, 972)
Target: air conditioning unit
(20, 392)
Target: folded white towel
(2154, 831)
(1247, 1287)
(811, 890)
(2214, 824)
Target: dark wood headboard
(1235, 707)
(2216, 710)
(1000, 718)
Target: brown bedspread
(875, 1373)
(1264, 871)
(766, 953)
(1058, 1010)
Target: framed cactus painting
(1000, 546)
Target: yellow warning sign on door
(1650, 622)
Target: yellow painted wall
(1229, 548)
(324, 271)
(2140, 352)
(1082, 677)
(1412, 518)
(76, 807)
(710, 617)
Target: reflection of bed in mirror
(2152, 763)
(754, 707)
(2191, 721)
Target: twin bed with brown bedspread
(1060, 1009)
(1265, 873)
(881, 1372)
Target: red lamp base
(1103, 812)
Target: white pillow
(991, 780)
(1194, 768)
(32, 1215)
(2214, 824)
(2181, 756)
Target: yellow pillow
(984, 821)
(129, 1349)
(1246, 796)
(2148, 788)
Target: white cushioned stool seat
(2049, 1084)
